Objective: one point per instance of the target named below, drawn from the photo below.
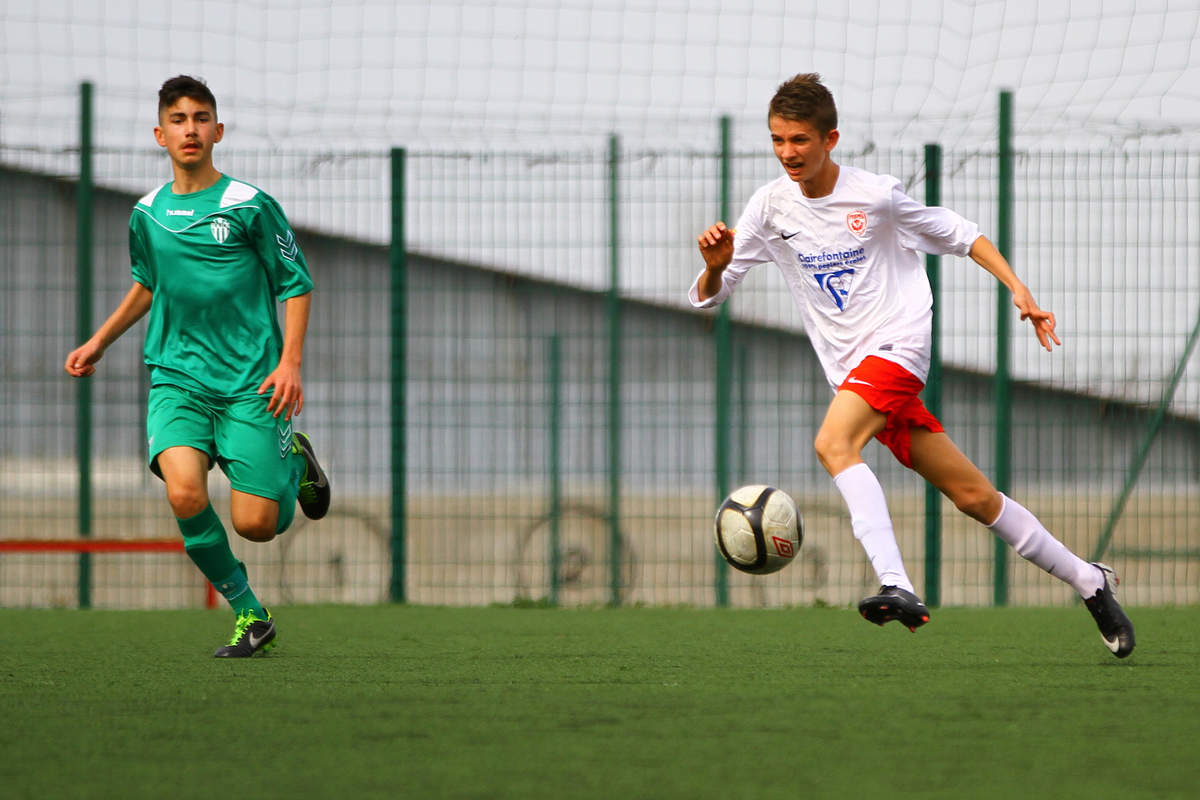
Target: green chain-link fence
(555, 430)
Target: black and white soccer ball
(759, 529)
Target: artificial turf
(418, 702)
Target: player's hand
(716, 245)
(81, 362)
(1043, 321)
(287, 396)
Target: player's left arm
(985, 254)
(287, 396)
(287, 273)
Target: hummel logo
(786, 236)
(287, 246)
(180, 212)
(856, 380)
(285, 440)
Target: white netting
(367, 73)
(506, 106)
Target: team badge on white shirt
(856, 221)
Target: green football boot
(251, 635)
(314, 485)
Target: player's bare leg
(254, 518)
(849, 424)
(185, 471)
(939, 461)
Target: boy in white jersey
(211, 257)
(846, 242)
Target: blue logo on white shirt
(836, 285)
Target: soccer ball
(759, 529)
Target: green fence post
(740, 373)
(1143, 451)
(398, 254)
(554, 395)
(614, 372)
(1002, 384)
(83, 327)
(933, 387)
(723, 387)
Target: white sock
(1017, 526)
(872, 524)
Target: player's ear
(159, 137)
(831, 140)
(220, 132)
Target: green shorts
(253, 448)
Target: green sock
(287, 503)
(207, 544)
(236, 589)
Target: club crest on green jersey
(220, 229)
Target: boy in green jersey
(211, 257)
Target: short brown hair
(184, 86)
(804, 98)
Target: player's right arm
(730, 253)
(716, 246)
(81, 361)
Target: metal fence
(516, 404)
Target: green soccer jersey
(217, 261)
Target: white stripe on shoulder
(237, 192)
(148, 200)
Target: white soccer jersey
(851, 262)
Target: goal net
(359, 73)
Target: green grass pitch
(420, 702)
